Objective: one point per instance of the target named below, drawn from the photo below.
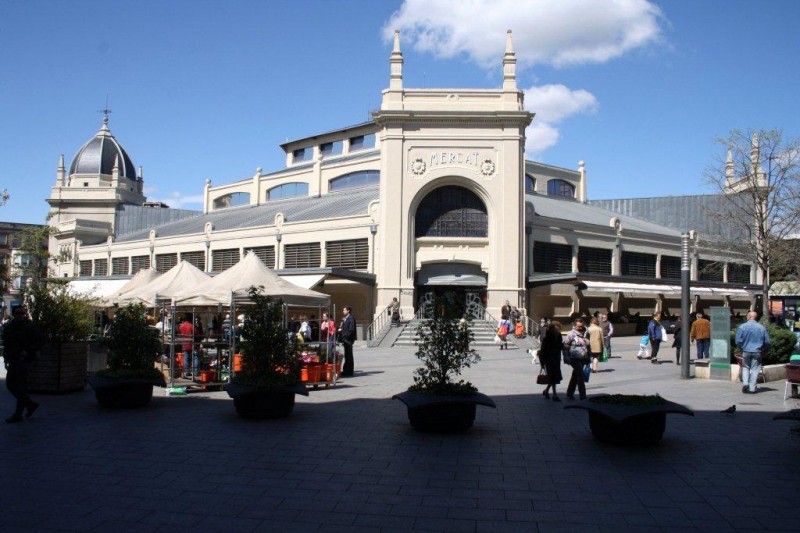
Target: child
(644, 350)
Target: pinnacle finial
(509, 44)
(396, 64)
(509, 65)
(396, 49)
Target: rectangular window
(165, 262)
(222, 260)
(139, 262)
(306, 255)
(362, 142)
(3, 238)
(670, 267)
(594, 260)
(738, 273)
(332, 148)
(197, 259)
(347, 254)
(301, 154)
(120, 265)
(638, 264)
(552, 258)
(709, 270)
(86, 268)
(101, 267)
(265, 253)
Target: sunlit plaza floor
(347, 459)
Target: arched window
(530, 183)
(288, 190)
(232, 200)
(361, 178)
(451, 211)
(560, 188)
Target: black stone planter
(442, 414)
(639, 425)
(125, 393)
(252, 402)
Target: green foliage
(133, 346)
(61, 316)
(629, 399)
(268, 357)
(782, 343)
(443, 348)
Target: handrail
(377, 326)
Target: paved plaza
(347, 459)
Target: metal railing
(378, 329)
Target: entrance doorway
(464, 300)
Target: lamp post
(685, 275)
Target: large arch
(451, 211)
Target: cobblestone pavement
(347, 459)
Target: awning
(452, 274)
(307, 281)
(95, 288)
(667, 290)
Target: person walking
(347, 332)
(608, 331)
(655, 331)
(577, 355)
(503, 328)
(327, 335)
(595, 334)
(21, 340)
(700, 333)
(550, 357)
(752, 338)
(676, 340)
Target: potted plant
(636, 419)
(66, 322)
(266, 385)
(436, 401)
(132, 351)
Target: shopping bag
(497, 339)
(587, 372)
(604, 356)
(541, 379)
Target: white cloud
(174, 199)
(553, 104)
(554, 32)
(545, 32)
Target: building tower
(83, 202)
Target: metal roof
(351, 202)
(99, 155)
(574, 211)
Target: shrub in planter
(270, 375)
(132, 349)
(436, 401)
(65, 321)
(782, 342)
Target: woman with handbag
(550, 357)
(576, 354)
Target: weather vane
(106, 111)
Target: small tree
(444, 349)
(132, 345)
(61, 316)
(759, 180)
(268, 356)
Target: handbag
(604, 356)
(587, 372)
(541, 379)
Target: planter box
(775, 372)
(59, 368)
(442, 414)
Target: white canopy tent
(238, 279)
(141, 278)
(182, 277)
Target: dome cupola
(100, 154)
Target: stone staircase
(482, 330)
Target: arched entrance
(447, 213)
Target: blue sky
(200, 89)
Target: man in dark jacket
(347, 332)
(21, 341)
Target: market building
(432, 196)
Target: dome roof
(99, 155)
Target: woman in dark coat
(550, 357)
(676, 340)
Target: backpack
(502, 329)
